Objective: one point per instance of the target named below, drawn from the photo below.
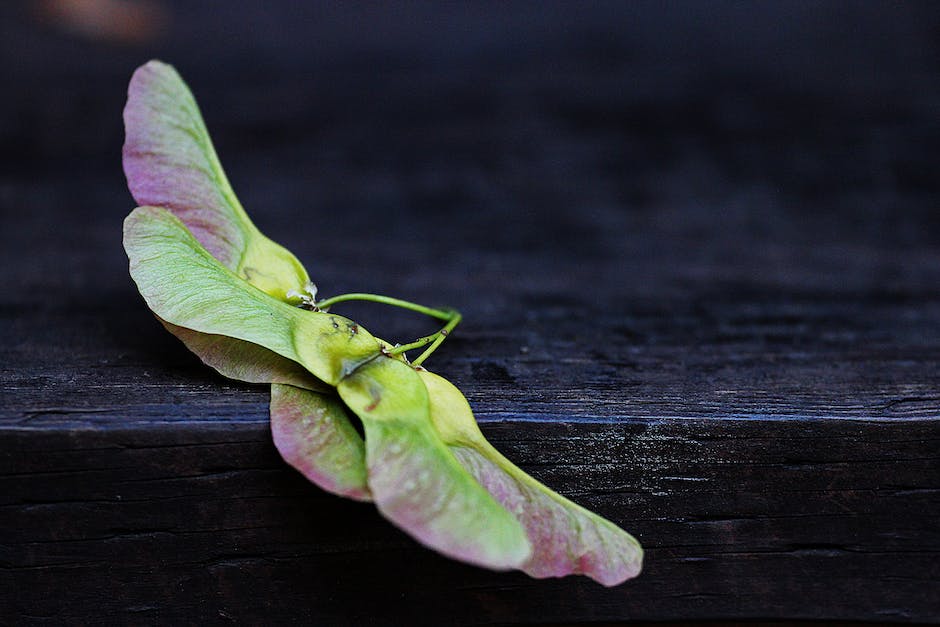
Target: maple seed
(247, 307)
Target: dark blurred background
(526, 151)
(760, 141)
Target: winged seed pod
(246, 307)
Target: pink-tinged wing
(313, 434)
(416, 481)
(169, 162)
(244, 361)
(567, 538)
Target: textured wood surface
(700, 284)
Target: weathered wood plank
(721, 356)
(742, 519)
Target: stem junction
(451, 317)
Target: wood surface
(700, 287)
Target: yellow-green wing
(186, 286)
(313, 434)
(416, 481)
(566, 538)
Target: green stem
(452, 317)
(441, 336)
(418, 343)
(440, 314)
